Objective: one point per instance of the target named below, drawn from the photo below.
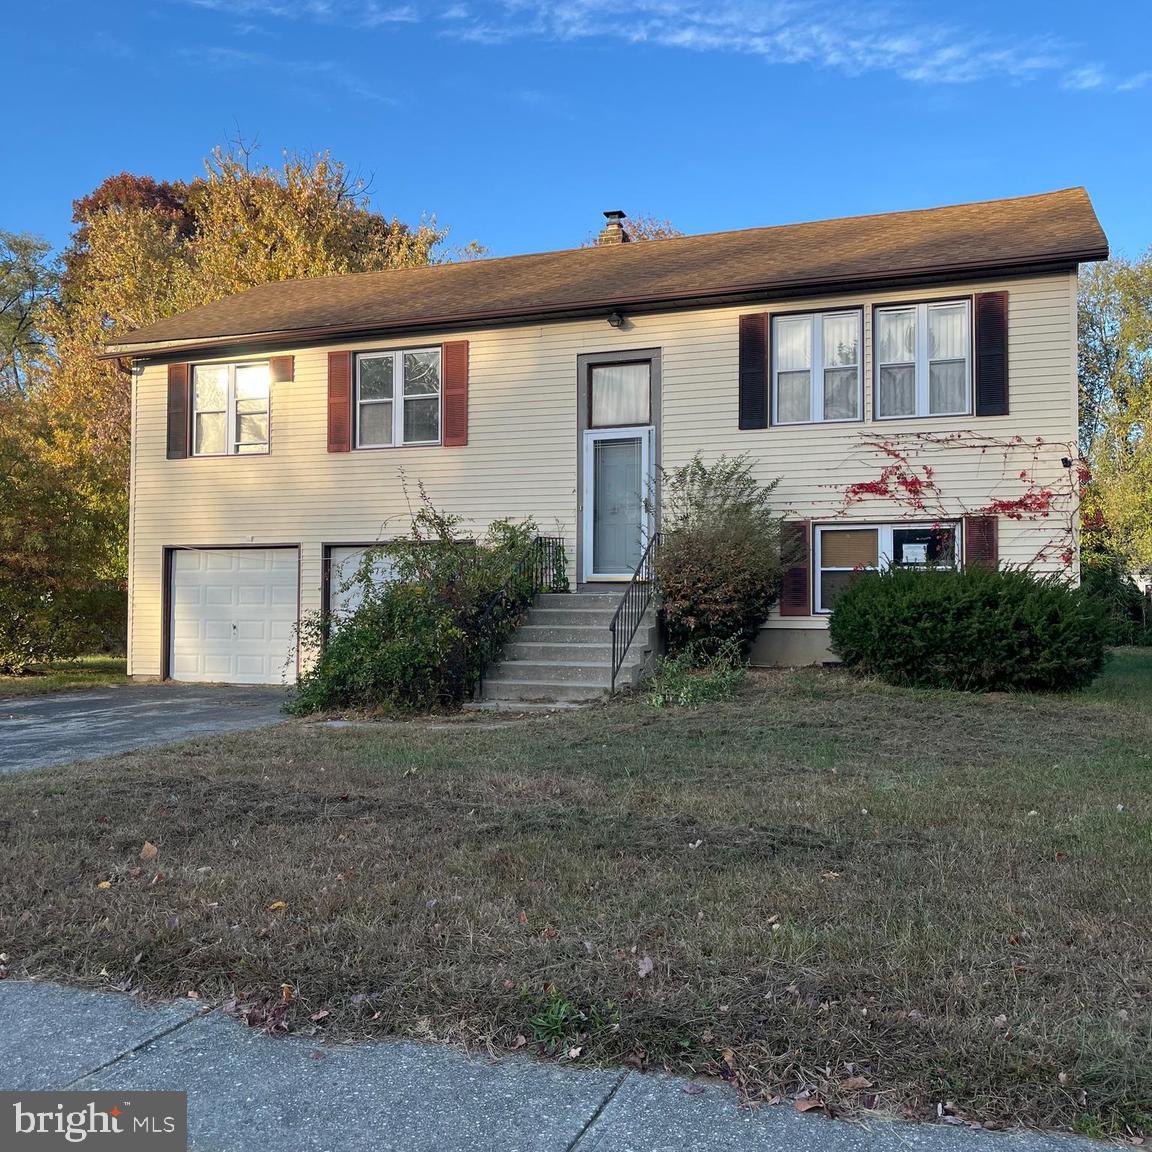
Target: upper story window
(398, 398)
(844, 551)
(620, 394)
(923, 360)
(816, 367)
(229, 409)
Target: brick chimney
(613, 231)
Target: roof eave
(738, 293)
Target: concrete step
(541, 691)
(578, 600)
(522, 649)
(566, 617)
(571, 634)
(566, 671)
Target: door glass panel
(620, 394)
(617, 505)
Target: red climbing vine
(905, 480)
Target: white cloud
(1134, 82)
(1084, 79)
(879, 36)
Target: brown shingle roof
(1052, 229)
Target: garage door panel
(234, 614)
(345, 590)
(248, 594)
(188, 561)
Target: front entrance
(618, 490)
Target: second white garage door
(234, 614)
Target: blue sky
(517, 123)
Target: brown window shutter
(282, 369)
(455, 385)
(339, 401)
(796, 587)
(754, 371)
(981, 541)
(992, 354)
(179, 417)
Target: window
(844, 551)
(229, 409)
(398, 398)
(923, 360)
(621, 394)
(816, 369)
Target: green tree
(28, 278)
(1115, 372)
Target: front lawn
(83, 672)
(903, 900)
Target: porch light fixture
(616, 320)
(1066, 461)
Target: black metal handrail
(542, 567)
(633, 604)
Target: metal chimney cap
(615, 216)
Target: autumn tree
(142, 250)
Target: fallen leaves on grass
(149, 852)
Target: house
(910, 378)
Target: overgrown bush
(417, 642)
(1127, 610)
(42, 621)
(979, 630)
(719, 564)
(688, 680)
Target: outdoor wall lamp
(616, 320)
(1066, 461)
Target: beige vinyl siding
(522, 452)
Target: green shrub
(1127, 609)
(42, 621)
(978, 630)
(719, 564)
(418, 642)
(687, 680)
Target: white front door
(234, 613)
(617, 495)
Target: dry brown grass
(946, 896)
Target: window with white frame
(816, 367)
(923, 360)
(843, 551)
(229, 409)
(398, 398)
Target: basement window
(842, 552)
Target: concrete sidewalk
(248, 1092)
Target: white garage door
(345, 588)
(234, 615)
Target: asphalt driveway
(43, 731)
